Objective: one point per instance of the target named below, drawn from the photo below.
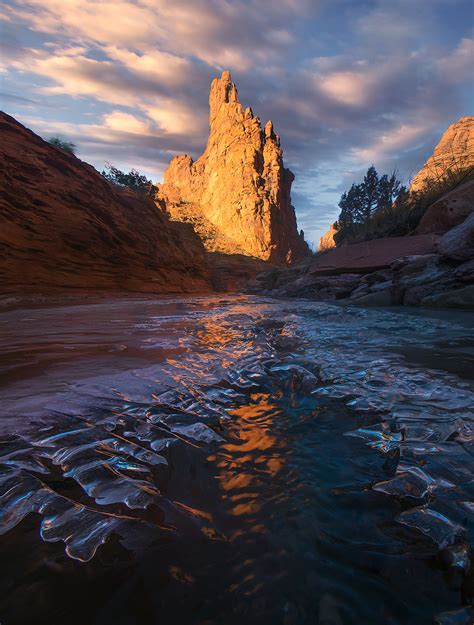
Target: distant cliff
(237, 194)
(63, 225)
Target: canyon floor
(228, 458)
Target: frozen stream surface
(230, 460)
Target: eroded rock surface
(237, 194)
(454, 152)
(458, 243)
(63, 225)
(449, 211)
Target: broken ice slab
(81, 528)
(468, 505)
(432, 524)
(458, 557)
(411, 481)
(198, 431)
(379, 436)
(297, 377)
(18, 454)
(465, 616)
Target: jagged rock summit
(237, 194)
(326, 242)
(455, 151)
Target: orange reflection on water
(252, 459)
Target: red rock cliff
(63, 225)
(237, 194)
(455, 151)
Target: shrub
(67, 146)
(133, 180)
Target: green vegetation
(133, 180)
(367, 204)
(67, 146)
(381, 207)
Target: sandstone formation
(454, 152)
(63, 225)
(326, 242)
(237, 194)
(449, 211)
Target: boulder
(458, 243)
(465, 272)
(371, 256)
(449, 211)
(456, 298)
(380, 298)
(63, 225)
(237, 193)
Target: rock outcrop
(449, 211)
(458, 243)
(326, 242)
(419, 270)
(237, 194)
(454, 152)
(63, 225)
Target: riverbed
(229, 459)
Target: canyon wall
(63, 225)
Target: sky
(347, 83)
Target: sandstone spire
(237, 194)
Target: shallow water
(219, 460)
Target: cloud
(456, 67)
(125, 122)
(398, 139)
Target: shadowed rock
(63, 225)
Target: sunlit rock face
(63, 225)
(454, 152)
(326, 242)
(237, 194)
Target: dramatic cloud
(346, 83)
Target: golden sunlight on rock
(237, 194)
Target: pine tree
(362, 201)
(370, 191)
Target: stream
(219, 460)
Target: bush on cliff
(133, 180)
(62, 144)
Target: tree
(366, 201)
(388, 190)
(68, 146)
(133, 180)
(370, 193)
